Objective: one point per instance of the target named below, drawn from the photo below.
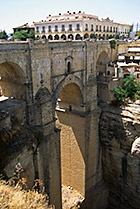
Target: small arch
(78, 37)
(70, 36)
(43, 37)
(86, 36)
(56, 37)
(92, 36)
(50, 37)
(37, 37)
(63, 37)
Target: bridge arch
(72, 138)
(102, 62)
(68, 80)
(69, 112)
(12, 81)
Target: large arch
(102, 77)
(12, 81)
(102, 62)
(67, 80)
(72, 138)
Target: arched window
(44, 37)
(70, 36)
(63, 37)
(50, 37)
(56, 37)
(78, 37)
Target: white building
(78, 26)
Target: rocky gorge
(119, 131)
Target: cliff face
(120, 141)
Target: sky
(14, 13)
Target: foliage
(130, 89)
(3, 35)
(31, 34)
(23, 35)
(112, 43)
(117, 36)
(92, 35)
(16, 197)
(111, 36)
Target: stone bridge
(57, 80)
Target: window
(104, 29)
(114, 29)
(110, 29)
(56, 28)
(86, 29)
(50, 28)
(96, 27)
(78, 26)
(43, 29)
(69, 67)
(91, 27)
(63, 27)
(70, 27)
(100, 28)
(107, 29)
(37, 29)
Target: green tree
(31, 34)
(21, 35)
(130, 89)
(112, 43)
(3, 35)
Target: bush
(130, 89)
(112, 43)
(16, 197)
(3, 35)
(23, 35)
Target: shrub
(130, 89)
(112, 43)
(3, 35)
(16, 197)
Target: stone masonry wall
(119, 137)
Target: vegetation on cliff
(15, 197)
(130, 89)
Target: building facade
(79, 26)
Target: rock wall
(119, 137)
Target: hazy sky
(18, 12)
